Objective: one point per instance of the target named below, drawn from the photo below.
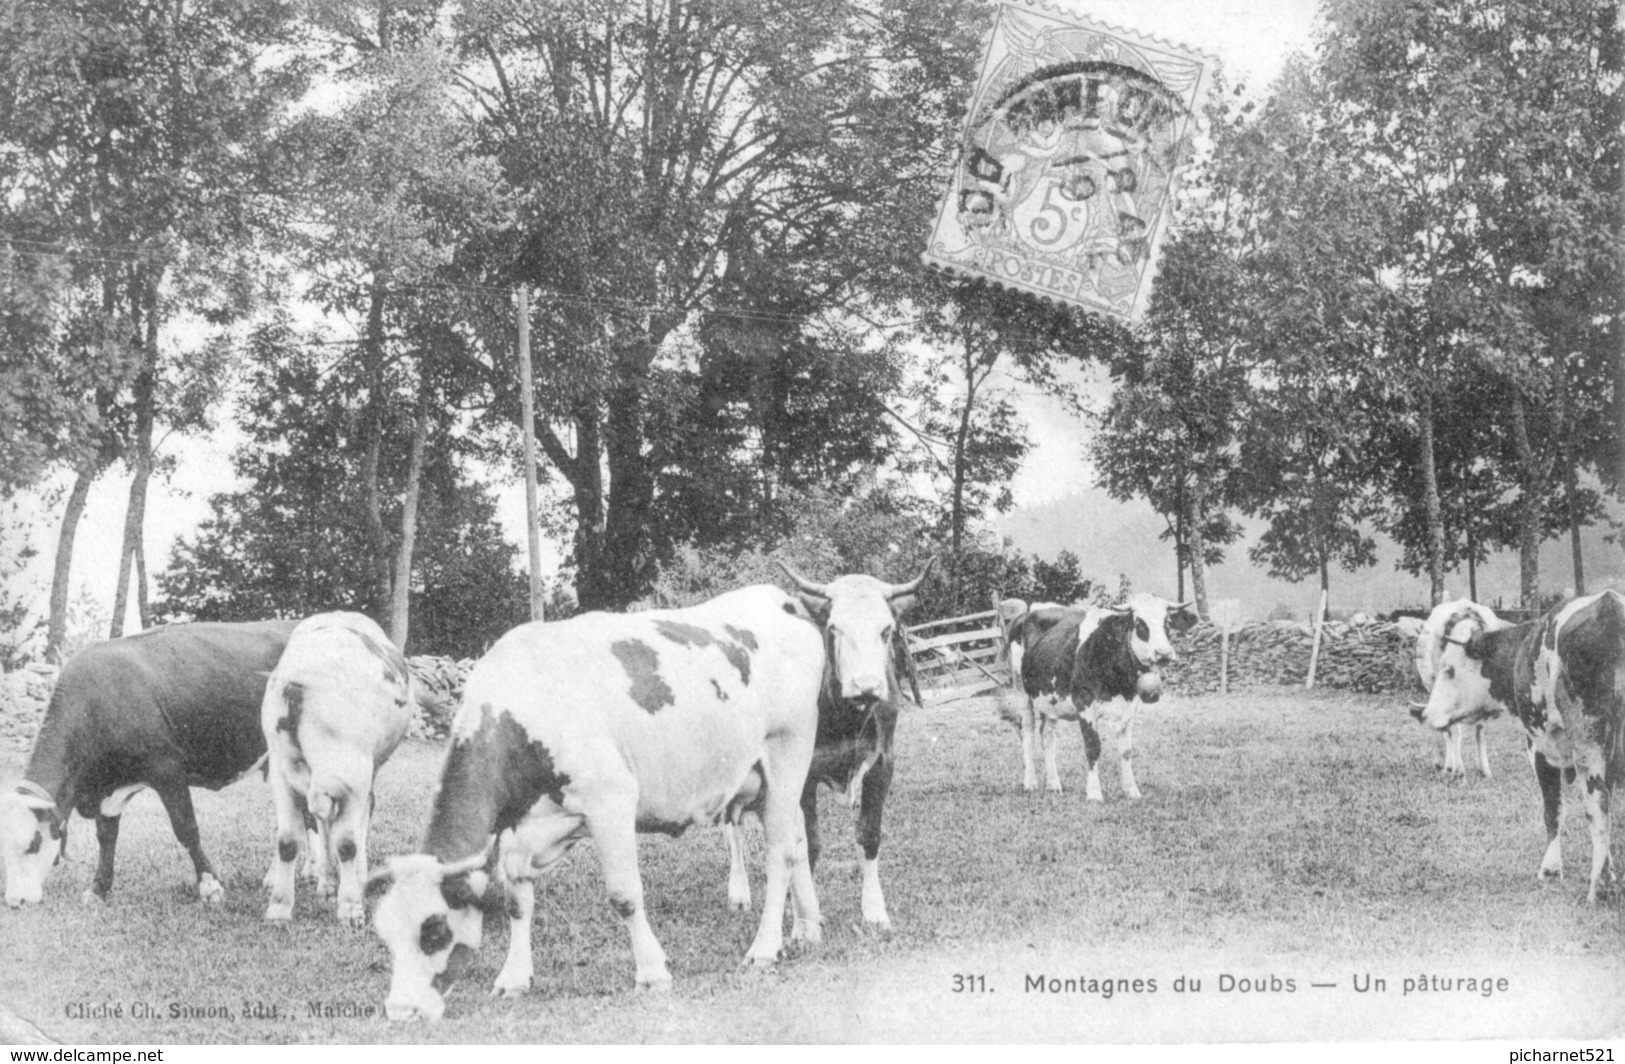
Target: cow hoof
(805, 932)
(1549, 873)
(279, 912)
(655, 984)
(878, 928)
(356, 921)
(210, 891)
(511, 990)
(735, 905)
(90, 896)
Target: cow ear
(379, 881)
(902, 604)
(1475, 646)
(817, 605)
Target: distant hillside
(1112, 537)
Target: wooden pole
(527, 403)
(1314, 651)
(1224, 657)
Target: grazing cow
(1073, 663)
(1431, 643)
(334, 710)
(170, 708)
(607, 725)
(1563, 677)
(857, 719)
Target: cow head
(1461, 680)
(1148, 628)
(431, 908)
(31, 839)
(859, 615)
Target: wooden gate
(958, 657)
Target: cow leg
(1091, 759)
(738, 877)
(875, 786)
(1049, 729)
(1551, 792)
(807, 922)
(1029, 773)
(612, 826)
(1483, 750)
(1124, 738)
(519, 967)
(279, 879)
(1452, 752)
(106, 844)
(1596, 806)
(349, 838)
(316, 870)
(177, 799)
(784, 823)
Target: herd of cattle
(606, 725)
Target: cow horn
(821, 590)
(1417, 705)
(1455, 642)
(467, 864)
(1176, 607)
(898, 590)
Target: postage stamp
(1073, 145)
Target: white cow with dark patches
(1431, 643)
(606, 725)
(1563, 677)
(335, 708)
(1093, 665)
(857, 719)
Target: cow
(1431, 643)
(857, 720)
(1073, 663)
(171, 708)
(1563, 677)
(334, 709)
(607, 725)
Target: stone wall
(1368, 656)
(25, 693)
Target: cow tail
(1614, 727)
(325, 799)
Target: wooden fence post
(1314, 651)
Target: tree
(652, 146)
(292, 541)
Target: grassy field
(1285, 839)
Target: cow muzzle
(429, 1006)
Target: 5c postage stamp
(1069, 165)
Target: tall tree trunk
(1179, 544)
(372, 432)
(1565, 455)
(956, 512)
(1472, 562)
(613, 562)
(1196, 546)
(144, 296)
(56, 628)
(1529, 506)
(400, 614)
(1430, 503)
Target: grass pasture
(1286, 839)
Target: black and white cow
(607, 725)
(170, 709)
(1431, 643)
(1563, 677)
(1092, 665)
(334, 710)
(857, 719)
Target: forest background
(274, 247)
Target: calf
(1073, 663)
(857, 719)
(1563, 677)
(171, 708)
(608, 725)
(334, 710)
(1431, 643)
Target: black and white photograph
(1088, 523)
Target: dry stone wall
(1355, 656)
(25, 693)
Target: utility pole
(527, 401)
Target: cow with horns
(607, 725)
(1563, 677)
(171, 708)
(1092, 665)
(857, 718)
(1431, 643)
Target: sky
(1250, 38)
